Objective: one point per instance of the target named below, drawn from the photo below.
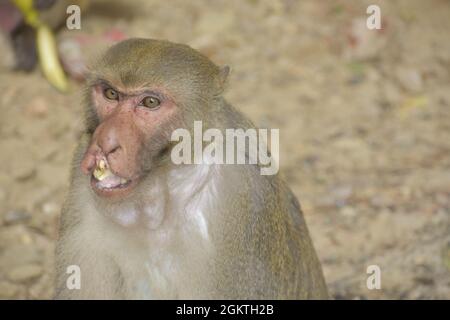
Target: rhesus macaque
(141, 227)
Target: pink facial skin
(126, 127)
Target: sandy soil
(364, 121)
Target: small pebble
(25, 273)
(15, 216)
(38, 107)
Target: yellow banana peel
(46, 46)
(30, 15)
(48, 58)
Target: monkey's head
(138, 93)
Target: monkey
(139, 226)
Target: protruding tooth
(100, 174)
(102, 164)
(123, 181)
(101, 171)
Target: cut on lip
(105, 178)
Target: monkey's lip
(107, 183)
(111, 182)
(113, 185)
(107, 189)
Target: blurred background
(364, 119)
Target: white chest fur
(166, 238)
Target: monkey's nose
(110, 149)
(109, 144)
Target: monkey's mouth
(104, 180)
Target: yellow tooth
(98, 174)
(102, 164)
(101, 173)
(123, 181)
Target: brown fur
(211, 232)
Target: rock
(42, 289)
(382, 200)
(22, 168)
(15, 216)
(38, 107)
(19, 254)
(25, 273)
(34, 197)
(341, 195)
(424, 280)
(409, 79)
(8, 290)
(50, 208)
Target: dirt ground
(364, 119)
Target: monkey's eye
(111, 94)
(151, 102)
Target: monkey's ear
(223, 76)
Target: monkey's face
(138, 93)
(129, 135)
